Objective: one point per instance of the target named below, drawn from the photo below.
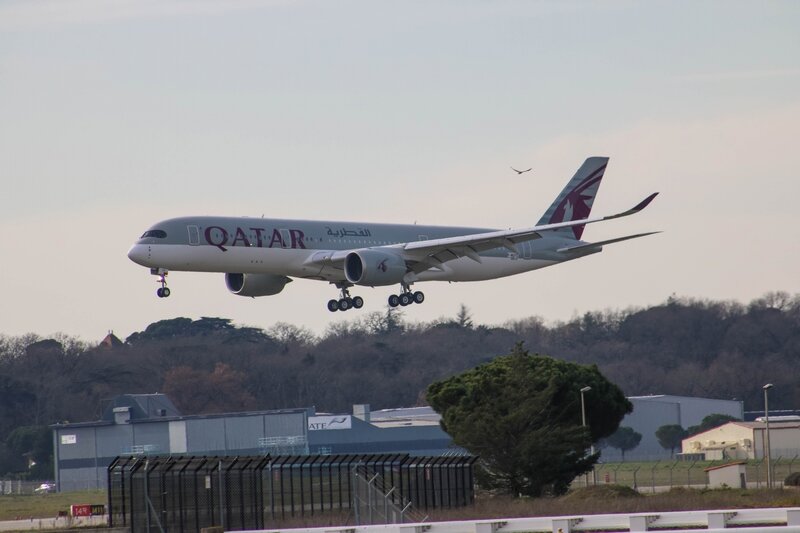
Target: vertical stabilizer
(575, 201)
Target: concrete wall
(731, 476)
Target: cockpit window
(155, 233)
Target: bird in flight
(521, 171)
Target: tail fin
(575, 201)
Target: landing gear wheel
(345, 304)
(358, 302)
(418, 297)
(405, 299)
(333, 306)
(163, 291)
(394, 300)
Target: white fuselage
(293, 248)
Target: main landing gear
(406, 297)
(345, 302)
(163, 291)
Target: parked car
(45, 488)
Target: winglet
(638, 207)
(644, 203)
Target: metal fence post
(671, 468)
(689, 475)
(757, 466)
(653, 476)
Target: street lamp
(766, 435)
(583, 405)
(583, 423)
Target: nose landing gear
(345, 302)
(163, 291)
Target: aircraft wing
(432, 253)
(422, 255)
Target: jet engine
(373, 267)
(255, 284)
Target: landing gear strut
(345, 302)
(163, 291)
(406, 297)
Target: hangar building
(652, 412)
(149, 424)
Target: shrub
(792, 480)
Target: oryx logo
(382, 266)
(577, 204)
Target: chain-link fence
(402, 491)
(18, 486)
(158, 494)
(664, 475)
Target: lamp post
(584, 390)
(766, 434)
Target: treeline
(687, 347)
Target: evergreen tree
(624, 439)
(670, 436)
(521, 414)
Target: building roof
(142, 406)
(405, 417)
(773, 426)
(110, 341)
(763, 425)
(726, 465)
(145, 408)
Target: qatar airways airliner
(259, 256)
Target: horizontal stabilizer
(601, 243)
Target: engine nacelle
(255, 284)
(373, 268)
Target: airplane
(260, 256)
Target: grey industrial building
(149, 424)
(652, 412)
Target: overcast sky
(117, 114)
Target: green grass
(23, 506)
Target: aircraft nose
(139, 254)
